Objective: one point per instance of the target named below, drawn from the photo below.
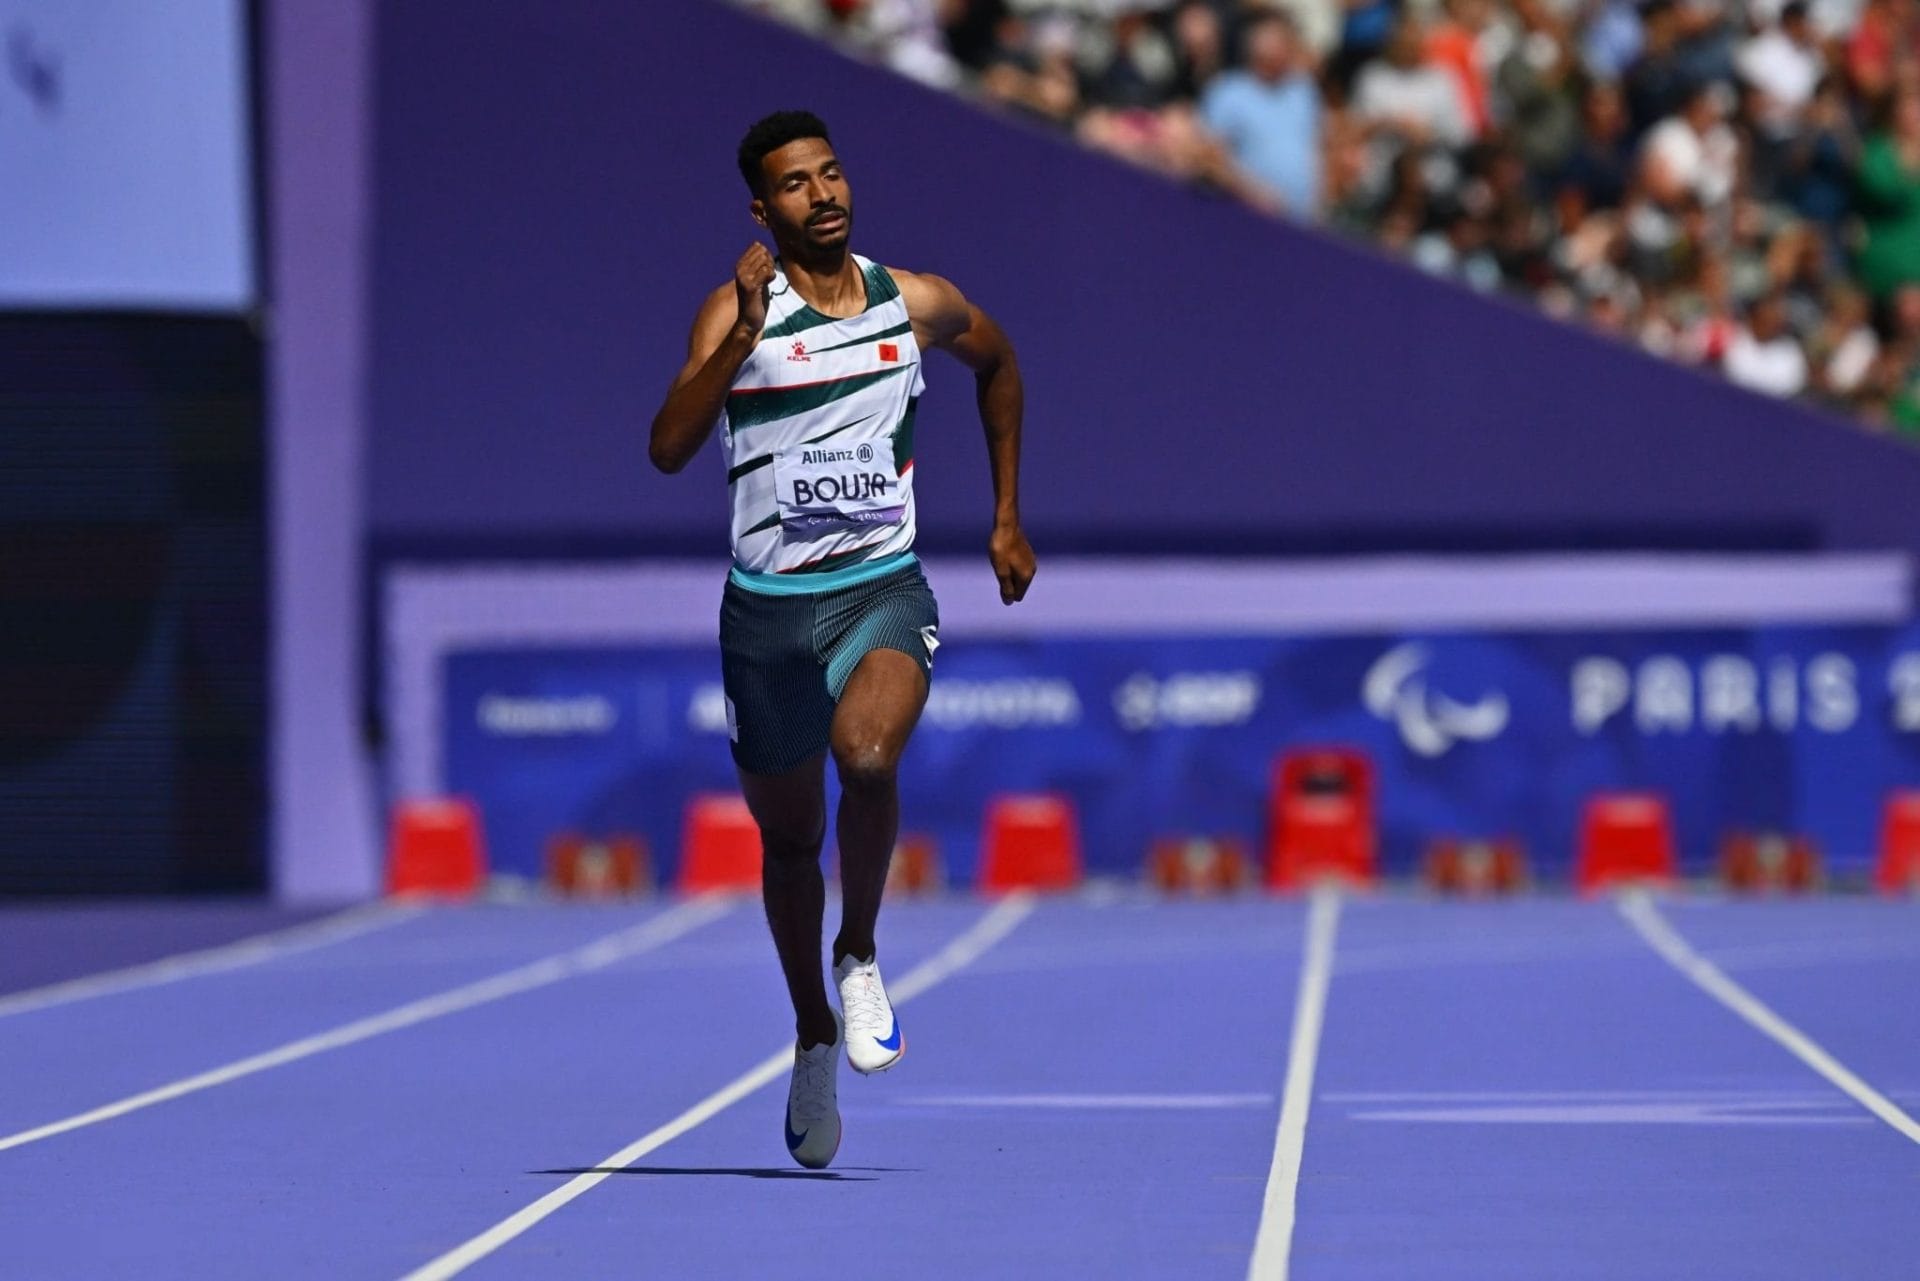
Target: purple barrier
(555, 192)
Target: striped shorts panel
(785, 660)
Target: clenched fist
(751, 277)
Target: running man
(810, 364)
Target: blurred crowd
(1730, 183)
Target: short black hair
(771, 133)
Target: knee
(865, 768)
(785, 851)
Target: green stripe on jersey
(880, 286)
(905, 326)
(903, 437)
(759, 405)
(755, 464)
(800, 318)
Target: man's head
(1271, 42)
(1797, 22)
(799, 191)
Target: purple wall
(555, 192)
(324, 823)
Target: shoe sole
(899, 1054)
(824, 1164)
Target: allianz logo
(512, 716)
(1187, 699)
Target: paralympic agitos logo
(1395, 689)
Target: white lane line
(1664, 939)
(1094, 1102)
(228, 956)
(1273, 1245)
(656, 932)
(957, 955)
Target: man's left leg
(877, 713)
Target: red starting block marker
(1898, 869)
(1321, 820)
(1770, 862)
(436, 847)
(1625, 837)
(1199, 865)
(916, 867)
(719, 845)
(1476, 868)
(1031, 842)
(582, 867)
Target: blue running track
(1522, 1089)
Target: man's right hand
(752, 276)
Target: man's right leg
(791, 811)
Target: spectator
(1890, 200)
(1410, 99)
(1763, 354)
(1269, 115)
(1030, 68)
(1657, 84)
(1589, 154)
(970, 26)
(1460, 44)
(1199, 48)
(1817, 168)
(1138, 70)
(1844, 346)
(1784, 63)
(1599, 168)
(1694, 153)
(1536, 90)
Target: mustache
(825, 212)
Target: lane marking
(1124, 1102)
(653, 933)
(295, 939)
(956, 955)
(1273, 1245)
(1646, 919)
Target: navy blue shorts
(785, 660)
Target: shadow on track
(739, 1172)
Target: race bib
(836, 486)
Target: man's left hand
(1013, 562)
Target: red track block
(1769, 862)
(1898, 871)
(1476, 868)
(1320, 821)
(616, 866)
(1198, 865)
(719, 846)
(1625, 836)
(435, 847)
(1031, 842)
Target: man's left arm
(945, 319)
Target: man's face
(1270, 50)
(807, 201)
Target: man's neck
(828, 283)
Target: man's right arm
(724, 335)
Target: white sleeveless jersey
(818, 434)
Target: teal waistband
(809, 584)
